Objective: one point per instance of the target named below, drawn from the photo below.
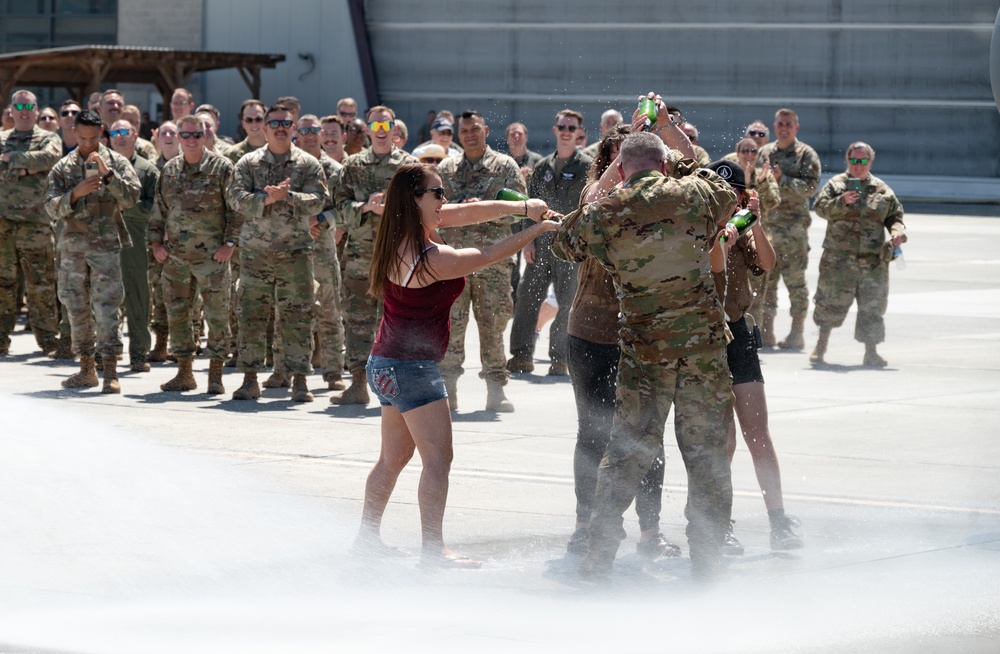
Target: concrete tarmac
(182, 522)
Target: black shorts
(744, 363)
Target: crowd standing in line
(320, 243)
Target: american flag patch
(384, 380)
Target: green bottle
(647, 106)
(510, 195)
(742, 221)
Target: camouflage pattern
(135, 260)
(364, 173)
(856, 255)
(562, 193)
(788, 222)
(770, 197)
(276, 260)
(193, 219)
(329, 323)
(146, 150)
(90, 275)
(27, 242)
(701, 155)
(158, 322)
(487, 291)
(234, 154)
(654, 236)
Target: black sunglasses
(274, 123)
(69, 112)
(255, 119)
(438, 192)
(563, 128)
(757, 134)
(191, 135)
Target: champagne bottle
(510, 195)
(647, 106)
(742, 221)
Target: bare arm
(445, 262)
(470, 213)
(609, 179)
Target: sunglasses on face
(376, 125)
(438, 192)
(275, 123)
(191, 135)
(863, 162)
(255, 119)
(118, 132)
(23, 106)
(47, 118)
(69, 112)
(748, 151)
(563, 128)
(309, 130)
(347, 114)
(757, 134)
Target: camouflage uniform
(27, 242)
(276, 271)
(788, 223)
(135, 261)
(146, 150)
(856, 255)
(770, 197)
(654, 236)
(701, 155)
(192, 219)
(562, 193)
(364, 173)
(330, 325)
(158, 323)
(487, 291)
(90, 271)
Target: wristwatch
(230, 244)
(107, 178)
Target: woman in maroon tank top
(419, 278)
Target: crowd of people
(318, 241)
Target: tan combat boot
(159, 352)
(334, 380)
(300, 391)
(278, 379)
(872, 358)
(357, 393)
(495, 398)
(111, 385)
(184, 381)
(215, 386)
(767, 330)
(249, 390)
(86, 378)
(796, 337)
(820, 350)
(64, 350)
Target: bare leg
(397, 450)
(751, 409)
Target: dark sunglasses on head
(438, 192)
(758, 134)
(69, 112)
(309, 130)
(255, 119)
(23, 106)
(855, 162)
(748, 151)
(191, 135)
(563, 128)
(274, 123)
(118, 132)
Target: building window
(41, 24)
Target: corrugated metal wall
(909, 77)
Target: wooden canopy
(82, 69)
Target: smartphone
(90, 169)
(854, 184)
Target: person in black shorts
(750, 254)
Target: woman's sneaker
(731, 546)
(658, 546)
(782, 536)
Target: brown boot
(767, 330)
(495, 398)
(277, 380)
(159, 352)
(138, 364)
(357, 393)
(184, 381)
(820, 351)
(249, 390)
(111, 385)
(64, 350)
(300, 391)
(215, 386)
(234, 361)
(86, 378)
(334, 381)
(796, 338)
(872, 358)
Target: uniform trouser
(700, 386)
(158, 322)
(279, 282)
(792, 250)
(90, 287)
(531, 292)
(329, 323)
(135, 278)
(845, 277)
(234, 273)
(183, 280)
(362, 312)
(593, 368)
(30, 248)
(487, 293)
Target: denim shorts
(405, 384)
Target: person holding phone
(859, 209)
